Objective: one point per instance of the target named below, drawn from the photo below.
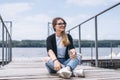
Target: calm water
(41, 52)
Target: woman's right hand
(72, 54)
(57, 65)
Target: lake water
(41, 52)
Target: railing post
(91, 51)
(48, 28)
(10, 49)
(11, 41)
(10, 31)
(11, 28)
(111, 50)
(96, 42)
(6, 48)
(3, 44)
(79, 38)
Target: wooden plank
(35, 70)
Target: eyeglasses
(61, 24)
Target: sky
(30, 17)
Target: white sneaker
(64, 73)
(79, 73)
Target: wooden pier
(104, 62)
(34, 69)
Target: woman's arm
(52, 55)
(57, 64)
(50, 48)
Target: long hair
(65, 40)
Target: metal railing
(6, 41)
(50, 29)
(96, 32)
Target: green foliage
(84, 43)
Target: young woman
(63, 57)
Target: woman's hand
(72, 54)
(57, 65)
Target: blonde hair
(65, 40)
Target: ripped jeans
(72, 63)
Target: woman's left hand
(72, 54)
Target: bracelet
(54, 60)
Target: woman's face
(60, 25)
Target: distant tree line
(101, 43)
(27, 43)
(84, 43)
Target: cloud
(76, 19)
(25, 26)
(31, 27)
(12, 10)
(85, 2)
(90, 2)
(34, 26)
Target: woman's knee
(50, 63)
(79, 56)
(50, 68)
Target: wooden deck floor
(35, 70)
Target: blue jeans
(72, 63)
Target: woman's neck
(58, 34)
